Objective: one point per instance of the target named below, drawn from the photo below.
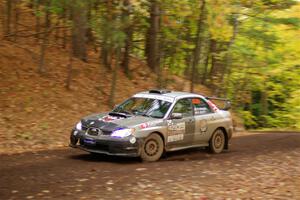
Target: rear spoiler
(226, 102)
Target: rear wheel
(152, 148)
(217, 141)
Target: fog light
(75, 133)
(74, 140)
(132, 140)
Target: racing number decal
(203, 125)
(175, 131)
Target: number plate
(89, 141)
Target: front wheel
(217, 141)
(152, 148)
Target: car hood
(110, 123)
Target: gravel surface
(258, 166)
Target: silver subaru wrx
(156, 121)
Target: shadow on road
(182, 155)
(247, 146)
(105, 158)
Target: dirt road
(260, 166)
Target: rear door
(181, 131)
(204, 121)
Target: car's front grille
(94, 131)
(104, 132)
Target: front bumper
(105, 144)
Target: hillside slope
(37, 112)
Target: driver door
(181, 128)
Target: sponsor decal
(144, 125)
(200, 111)
(174, 138)
(109, 118)
(196, 101)
(200, 107)
(148, 124)
(89, 141)
(149, 96)
(203, 125)
(175, 131)
(213, 106)
(177, 127)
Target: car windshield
(144, 106)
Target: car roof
(168, 94)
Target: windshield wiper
(118, 114)
(125, 112)
(145, 115)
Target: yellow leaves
(175, 13)
(292, 12)
(182, 8)
(290, 38)
(217, 18)
(247, 3)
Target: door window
(183, 106)
(200, 106)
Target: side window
(200, 106)
(183, 106)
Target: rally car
(153, 122)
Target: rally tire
(152, 148)
(217, 142)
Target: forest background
(62, 59)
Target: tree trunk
(7, 19)
(64, 22)
(227, 68)
(213, 52)
(89, 34)
(79, 29)
(264, 107)
(264, 102)
(128, 41)
(160, 65)
(188, 55)
(205, 72)
(198, 47)
(41, 68)
(114, 79)
(57, 31)
(105, 46)
(70, 70)
(37, 19)
(152, 46)
(16, 20)
(104, 56)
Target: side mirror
(176, 116)
(227, 105)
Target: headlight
(79, 126)
(122, 133)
